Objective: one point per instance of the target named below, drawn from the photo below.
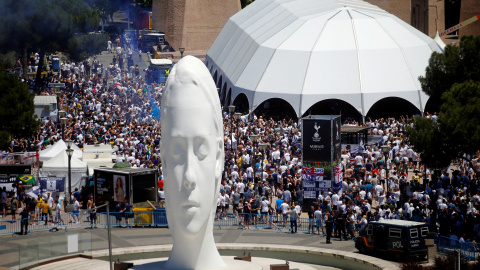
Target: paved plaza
(137, 237)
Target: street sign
(56, 85)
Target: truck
(135, 185)
(400, 238)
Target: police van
(399, 238)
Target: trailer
(134, 185)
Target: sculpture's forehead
(188, 122)
(186, 95)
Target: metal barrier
(469, 250)
(116, 219)
(231, 220)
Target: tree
(427, 138)
(453, 79)
(16, 109)
(460, 117)
(456, 64)
(246, 2)
(45, 26)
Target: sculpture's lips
(190, 206)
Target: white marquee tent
(306, 51)
(59, 146)
(58, 167)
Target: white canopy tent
(58, 167)
(60, 146)
(306, 51)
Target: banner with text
(52, 184)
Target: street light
(237, 117)
(262, 147)
(69, 143)
(63, 121)
(385, 150)
(254, 138)
(231, 109)
(69, 154)
(181, 49)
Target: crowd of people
(263, 170)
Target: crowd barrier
(157, 217)
(469, 250)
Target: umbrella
(26, 179)
(122, 165)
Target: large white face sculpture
(192, 158)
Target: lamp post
(69, 143)
(63, 122)
(69, 154)
(231, 109)
(254, 138)
(58, 94)
(181, 49)
(262, 147)
(237, 117)
(385, 150)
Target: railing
(469, 250)
(157, 217)
(48, 248)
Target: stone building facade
(430, 16)
(193, 24)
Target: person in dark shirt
(329, 226)
(31, 208)
(24, 215)
(118, 215)
(128, 211)
(311, 219)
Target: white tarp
(306, 51)
(58, 166)
(59, 146)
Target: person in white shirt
(75, 211)
(265, 204)
(335, 199)
(285, 207)
(319, 220)
(378, 189)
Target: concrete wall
(192, 24)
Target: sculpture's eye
(201, 148)
(177, 149)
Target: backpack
(13, 205)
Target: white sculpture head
(192, 157)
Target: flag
(26, 178)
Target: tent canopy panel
(371, 98)
(329, 65)
(399, 34)
(337, 35)
(311, 99)
(282, 79)
(292, 99)
(384, 69)
(370, 35)
(256, 67)
(304, 38)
